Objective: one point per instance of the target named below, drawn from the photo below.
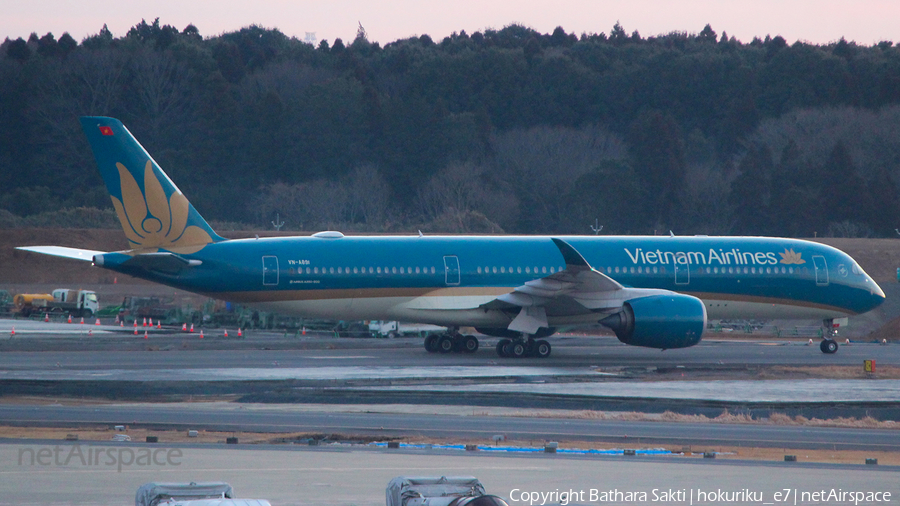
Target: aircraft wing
(578, 289)
(60, 251)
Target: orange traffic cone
(201, 333)
(135, 331)
(184, 327)
(240, 334)
(192, 328)
(82, 320)
(46, 317)
(158, 324)
(121, 323)
(145, 334)
(135, 323)
(90, 332)
(13, 332)
(304, 330)
(145, 322)
(98, 321)
(226, 332)
(70, 318)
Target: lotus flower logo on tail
(151, 220)
(790, 257)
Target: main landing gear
(523, 347)
(452, 341)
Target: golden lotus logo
(789, 257)
(151, 221)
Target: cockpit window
(857, 269)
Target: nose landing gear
(828, 345)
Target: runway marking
(336, 358)
(219, 426)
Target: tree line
(507, 130)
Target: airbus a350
(652, 291)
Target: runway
(232, 417)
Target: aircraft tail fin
(153, 212)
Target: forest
(497, 131)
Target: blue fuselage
(442, 279)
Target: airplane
(651, 291)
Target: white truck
(63, 300)
(392, 329)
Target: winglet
(572, 257)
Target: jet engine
(659, 321)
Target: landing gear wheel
(542, 349)
(469, 344)
(501, 347)
(517, 349)
(431, 343)
(828, 346)
(445, 344)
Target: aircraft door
(821, 270)
(682, 270)
(451, 270)
(270, 270)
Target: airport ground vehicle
(78, 303)
(393, 328)
(191, 494)
(439, 491)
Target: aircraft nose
(877, 294)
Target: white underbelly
(740, 310)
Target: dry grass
(725, 417)
(832, 372)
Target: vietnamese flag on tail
(105, 130)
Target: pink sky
(818, 21)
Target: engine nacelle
(659, 321)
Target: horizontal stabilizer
(60, 251)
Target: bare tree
(368, 202)
(161, 89)
(543, 162)
(460, 192)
